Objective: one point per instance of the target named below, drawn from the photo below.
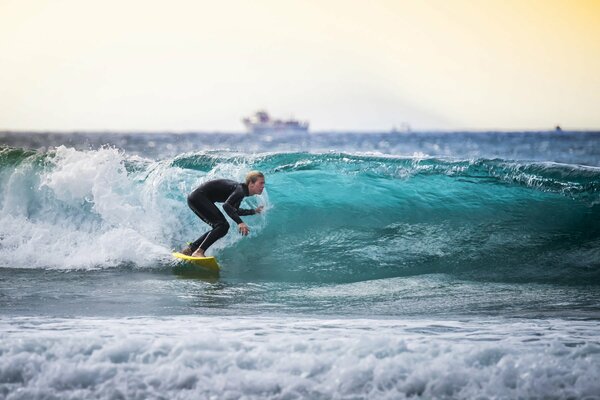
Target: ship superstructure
(262, 123)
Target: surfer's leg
(219, 230)
(194, 245)
(209, 213)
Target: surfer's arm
(243, 211)
(233, 213)
(232, 204)
(243, 228)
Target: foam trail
(280, 358)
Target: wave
(337, 217)
(276, 358)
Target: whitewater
(418, 265)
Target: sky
(196, 65)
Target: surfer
(230, 193)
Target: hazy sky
(196, 65)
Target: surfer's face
(257, 186)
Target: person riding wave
(231, 193)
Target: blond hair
(253, 176)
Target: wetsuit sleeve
(232, 205)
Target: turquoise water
(436, 265)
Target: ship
(261, 123)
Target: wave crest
(330, 216)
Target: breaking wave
(329, 216)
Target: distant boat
(404, 128)
(262, 123)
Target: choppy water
(385, 266)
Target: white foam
(282, 358)
(83, 209)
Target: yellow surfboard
(209, 263)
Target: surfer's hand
(259, 209)
(243, 228)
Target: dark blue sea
(420, 265)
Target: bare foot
(198, 253)
(187, 251)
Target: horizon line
(332, 131)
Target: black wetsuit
(202, 202)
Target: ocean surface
(451, 265)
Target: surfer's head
(256, 182)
